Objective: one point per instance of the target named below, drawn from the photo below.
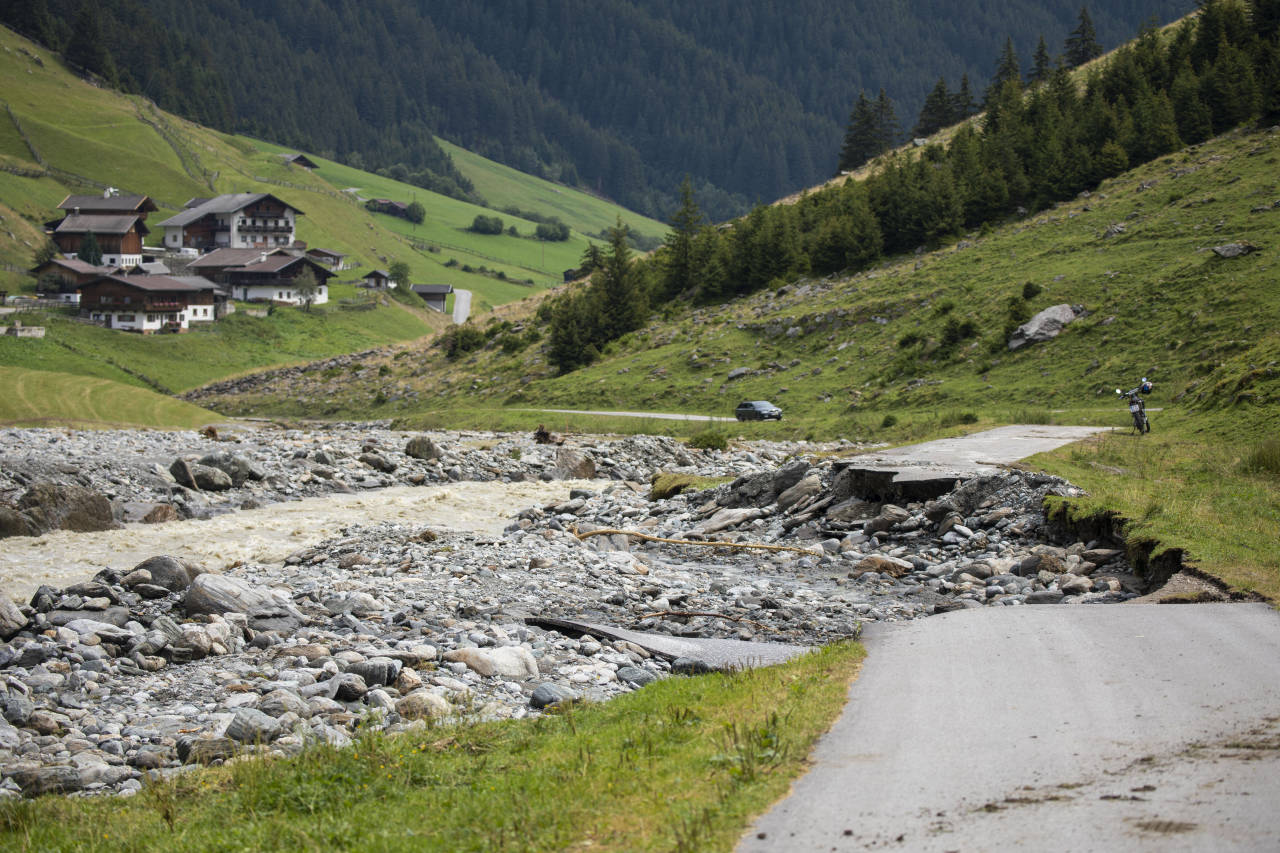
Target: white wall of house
(249, 231)
(122, 261)
(263, 293)
(140, 321)
(200, 314)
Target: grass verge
(1214, 498)
(683, 764)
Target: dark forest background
(750, 98)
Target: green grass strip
(683, 764)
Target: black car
(757, 410)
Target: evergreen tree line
(1038, 143)
(622, 97)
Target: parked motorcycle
(1137, 407)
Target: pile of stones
(154, 669)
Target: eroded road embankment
(1051, 728)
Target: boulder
(1042, 327)
(378, 462)
(168, 572)
(422, 447)
(513, 662)
(12, 620)
(727, 518)
(250, 725)
(883, 564)
(235, 466)
(546, 695)
(574, 465)
(219, 594)
(1234, 250)
(161, 514)
(888, 517)
(422, 704)
(806, 488)
(476, 660)
(14, 523)
(63, 506)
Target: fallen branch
(608, 531)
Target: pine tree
(1082, 44)
(1195, 119)
(1008, 70)
(937, 112)
(1230, 88)
(1264, 16)
(622, 301)
(87, 46)
(962, 103)
(1042, 65)
(679, 269)
(888, 131)
(89, 252)
(861, 138)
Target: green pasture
(40, 398)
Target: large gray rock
(422, 704)
(574, 465)
(193, 475)
(168, 572)
(219, 594)
(250, 725)
(378, 462)
(235, 466)
(422, 447)
(64, 506)
(1043, 327)
(806, 488)
(513, 662)
(14, 523)
(546, 695)
(888, 517)
(12, 619)
(57, 779)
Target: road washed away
(444, 605)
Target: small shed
(433, 294)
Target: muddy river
(268, 534)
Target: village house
(299, 160)
(118, 235)
(235, 221)
(149, 303)
(336, 261)
(111, 200)
(61, 278)
(252, 275)
(377, 280)
(433, 294)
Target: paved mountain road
(1052, 728)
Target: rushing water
(268, 534)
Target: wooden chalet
(61, 278)
(234, 221)
(110, 201)
(256, 276)
(149, 303)
(435, 295)
(118, 235)
(377, 280)
(336, 261)
(300, 160)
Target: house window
(125, 318)
(152, 318)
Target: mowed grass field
(39, 398)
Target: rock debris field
(154, 667)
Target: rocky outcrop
(57, 506)
(1042, 327)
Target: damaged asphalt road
(1131, 728)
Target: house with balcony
(252, 275)
(233, 221)
(149, 303)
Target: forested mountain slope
(748, 97)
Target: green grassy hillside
(39, 398)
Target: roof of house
(377, 274)
(227, 257)
(101, 223)
(300, 159)
(154, 283)
(77, 266)
(117, 202)
(153, 268)
(432, 289)
(197, 208)
(330, 252)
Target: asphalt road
(1051, 728)
(661, 416)
(461, 305)
(976, 453)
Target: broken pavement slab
(917, 472)
(715, 653)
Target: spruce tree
(1042, 65)
(87, 47)
(89, 252)
(937, 111)
(622, 301)
(679, 268)
(962, 103)
(861, 138)
(888, 131)
(1008, 69)
(1082, 44)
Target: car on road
(757, 410)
